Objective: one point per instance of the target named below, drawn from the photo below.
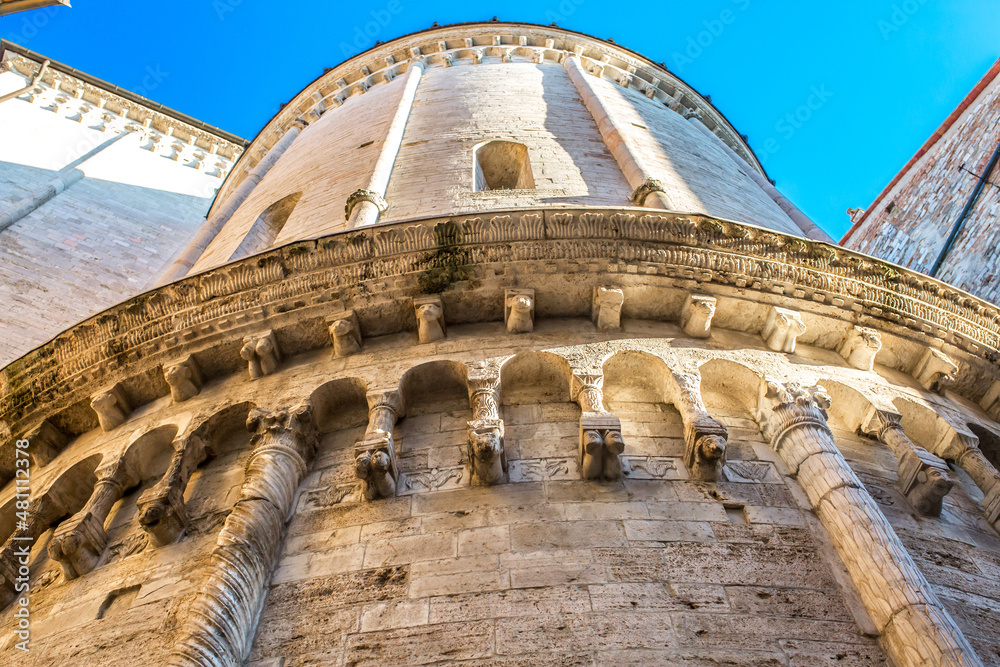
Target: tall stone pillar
(916, 629)
(220, 624)
(922, 477)
(375, 453)
(601, 442)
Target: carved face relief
(520, 305)
(429, 312)
(711, 447)
(342, 328)
(485, 442)
(614, 442)
(592, 442)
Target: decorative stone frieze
(162, 513)
(184, 378)
(486, 431)
(430, 318)
(220, 623)
(704, 437)
(375, 453)
(79, 542)
(782, 329)
(46, 443)
(519, 310)
(916, 628)
(935, 370)
(345, 332)
(112, 407)
(601, 442)
(860, 347)
(261, 353)
(922, 477)
(696, 315)
(606, 311)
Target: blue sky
(879, 75)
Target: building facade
(938, 215)
(497, 347)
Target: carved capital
(484, 396)
(649, 186)
(261, 353)
(935, 370)
(486, 451)
(782, 329)
(877, 422)
(860, 347)
(697, 314)
(345, 333)
(786, 406)
(184, 378)
(587, 389)
(519, 310)
(601, 446)
(385, 408)
(369, 196)
(430, 318)
(78, 544)
(46, 443)
(606, 311)
(112, 407)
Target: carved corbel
(363, 195)
(46, 442)
(601, 442)
(935, 370)
(697, 314)
(486, 431)
(922, 477)
(375, 453)
(261, 353)
(860, 347)
(606, 311)
(112, 407)
(79, 542)
(430, 318)
(345, 332)
(704, 437)
(184, 378)
(161, 508)
(991, 400)
(519, 310)
(648, 187)
(782, 329)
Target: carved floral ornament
(157, 329)
(501, 43)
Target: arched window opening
(266, 227)
(503, 165)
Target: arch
(71, 490)
(924, 426)
(502, 165)
(529, 377)
(150, 452)
(266, 227)
(848, 405)
(636, 376)
(340, 404)
(730, 386)
(215, 431)
(433, 383)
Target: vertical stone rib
(916, 628)
(639, 178)
(220, 624)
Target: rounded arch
(529, 377)
(266, 227)
(989, 443)
(636, 376)
(71, 489)
(923, 425)
(150, 452)
(848, 405)
(430, 384)
(216, 430)
(340, 404)
(730, 386)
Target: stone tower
(497, 347)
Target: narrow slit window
(502, 165)
(266, 227)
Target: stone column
(79, 541)
(963, 449)
(486, 444)
(162, 513)
(646, 190)
(916, 629)
(704, 437)
(601, 443)
(42, 513)
(220, 624)
(923, 477)
(365, 205)
(375, 453)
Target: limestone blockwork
(509, 425)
